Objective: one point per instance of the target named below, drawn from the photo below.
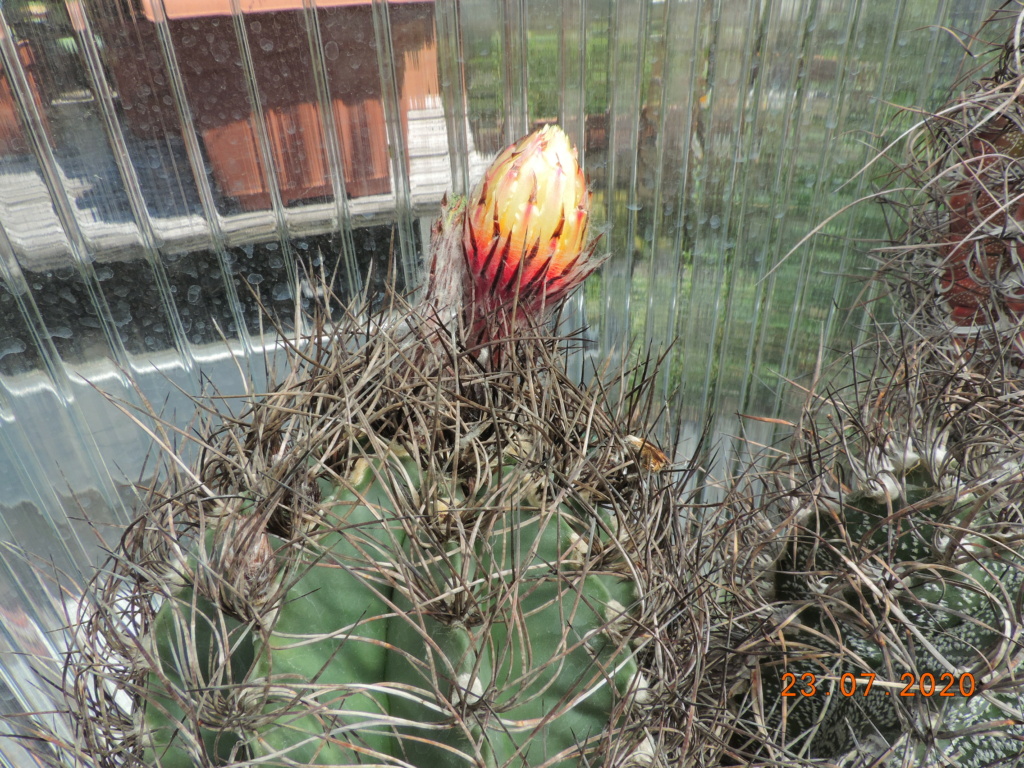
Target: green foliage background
(717, 137)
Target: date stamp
(946, 684)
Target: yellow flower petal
(525, 234)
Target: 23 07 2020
(945, 684)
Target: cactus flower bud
(525, 232)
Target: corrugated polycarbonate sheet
(167, 168)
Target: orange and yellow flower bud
(525, 233)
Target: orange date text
(944, 684)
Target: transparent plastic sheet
(168, 167)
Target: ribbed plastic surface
(166, 167)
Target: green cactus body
(573, 615)
(191, 632)
(530, 667)
(201, 654)
(499, 642)
(333, 596)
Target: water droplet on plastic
(11, 347)
(267, 44)
(281, 292)
(715, 222)
(255, 278)
(194, 294)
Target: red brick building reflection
(212, 65)
(13, 140)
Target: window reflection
(257, 148)
(273, 48)
(13, 140)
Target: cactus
(425, 548)
(482, 627)
(901, 584)
(894, 605)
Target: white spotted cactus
(893, 602)
(900, 588)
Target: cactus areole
(402, 555)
